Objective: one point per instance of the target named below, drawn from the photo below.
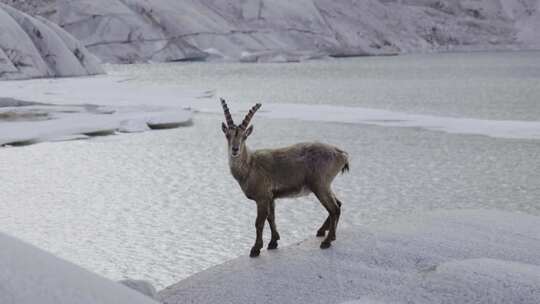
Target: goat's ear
(224, 128)
(248, 131)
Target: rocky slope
(35, 47)
(126, 31)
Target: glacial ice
(34, 47)
(126, 31)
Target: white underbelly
(283, 192)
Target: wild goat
(269, 174)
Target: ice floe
(493, 128)
(24, 125)
(166, 103)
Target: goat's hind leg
(272, 222)
(330, 204)
(262, 214)
(326, 226)
(338, 202)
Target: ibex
(268, 174)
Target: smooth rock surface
(30, 275)
(141, 286)
(466, 256)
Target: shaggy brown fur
(269, 174)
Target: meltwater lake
(162, 205)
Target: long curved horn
(249, 115)
(228, 117)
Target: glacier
(128, 31)
(35, 47)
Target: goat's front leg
(272, 222)
(262, 214)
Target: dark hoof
(321, 233)
(272, 245)
(325, 245)
(254, 252)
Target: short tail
(345, 155)
(345, 168)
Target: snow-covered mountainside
(125, 31)
(35, 47)
(30, 275)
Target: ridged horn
(249, 115)
(228, 117)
